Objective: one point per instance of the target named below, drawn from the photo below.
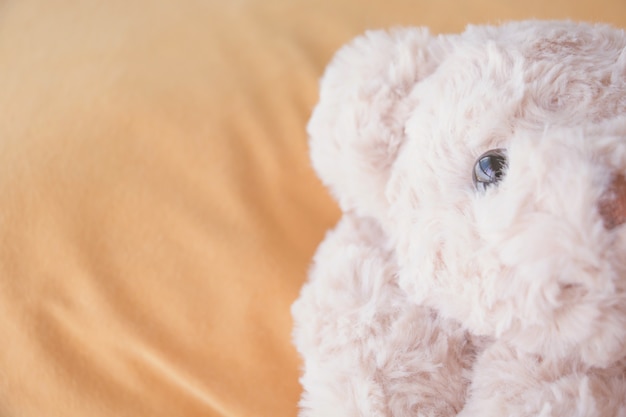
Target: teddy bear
(479, 265)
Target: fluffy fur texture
(431, 298)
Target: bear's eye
(489, 169)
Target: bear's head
(495, 161)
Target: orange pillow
(157, 208)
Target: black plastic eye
(489, 169)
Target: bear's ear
(357, 127)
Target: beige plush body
(435, 296)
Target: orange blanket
(157, 208)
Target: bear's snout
(612, 205)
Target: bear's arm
(367, 350)
(510, 383)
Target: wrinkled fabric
(158, 211)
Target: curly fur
(432, 299)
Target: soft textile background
(157, 209)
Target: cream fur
(432, 299)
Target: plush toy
(479, 268)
